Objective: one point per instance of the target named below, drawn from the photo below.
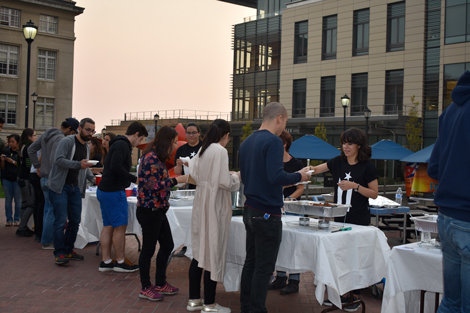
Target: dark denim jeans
(263, 238)
(66, 204)
(48, 219)
(455, 239)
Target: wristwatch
(357, 189)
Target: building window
(452, 73)
(457, 21)
(299, 98)
(329, 37)
(396, 26)
(46, 64)
(301, 41)
(10, 17)
(394, 92)
(9, 60)
(8, 108)
(48, 24)
(45, 112)
(327, 96)
(361, 32)
(358, 93)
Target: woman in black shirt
(10, 183)
(355, 174)
(190, 149)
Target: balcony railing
(174, 114)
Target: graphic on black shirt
(187, 151)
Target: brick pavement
(31, 282)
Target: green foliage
(320, 132)
(247, 131)
(413, 127)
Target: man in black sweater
(112, 197)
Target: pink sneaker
(166, 289)
(151, 294)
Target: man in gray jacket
(65, 179)
(47, 144)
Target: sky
(152, 55)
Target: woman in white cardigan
(212, 212)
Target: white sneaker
(216, 308)
(48, 247)
(195, 305)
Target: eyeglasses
(89, 130)
(192, 133)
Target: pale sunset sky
(152, 55)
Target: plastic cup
(98, 179)
(128, 192)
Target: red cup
(98, 179)
(128, 192)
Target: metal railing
(174, 114)
(261, 16)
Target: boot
(278, 283)
(292, 287)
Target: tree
(413, 127)
(320, 132)
(247, 131)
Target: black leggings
(195, 275)
(155, 227)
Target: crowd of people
(46, 177)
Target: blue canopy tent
(313, 148)
(388, 150)
(422, 156)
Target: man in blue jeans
(449, 164)
(263, 176)
(66, 177)
(47, 146)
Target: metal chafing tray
(313, 208)
(182, 197)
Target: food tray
(182, 194)
(181, 202)
(316, 208)
(426, 223)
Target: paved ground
(31, 282)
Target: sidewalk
(31, 282)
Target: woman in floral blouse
(152, 203)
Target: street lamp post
(367, 115)
(156, 117)
(345, 103)
(103, 131)
(34, 97)
(29, 31)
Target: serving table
(412, 269)
(341, 261)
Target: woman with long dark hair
(107, 138)
(152, 204)
(10, 180)
(27, 191)
(356, 177)
(212, 212)
(96, 151)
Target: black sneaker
(278, 283)
(74, 256)
(24, 233)
(125, 267)
(106, 267)
(352, 307)
(292, 287)
(344, 300)
(61, 260)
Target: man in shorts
(112, 197)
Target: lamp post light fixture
(29, 32)
(156, 117)
(367, 115)
(103, 131)
(345, 103)
(34, 97)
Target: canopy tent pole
(306, 185)
(385, 177)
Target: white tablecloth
(92, 222)
(411, 269)
(341, 261)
